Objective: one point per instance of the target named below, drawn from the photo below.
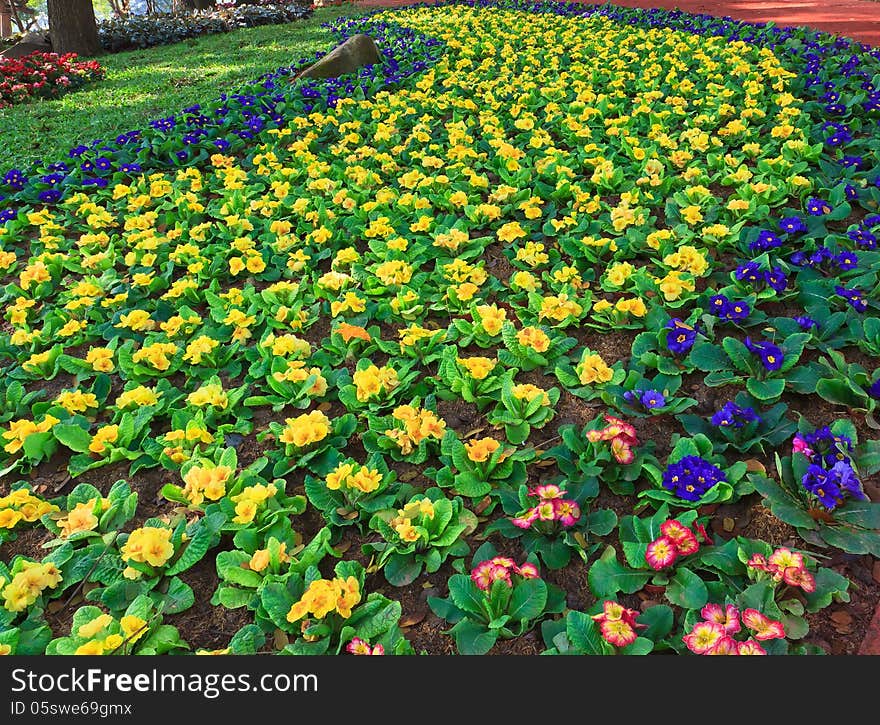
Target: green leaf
(72, 436)
(528, 600)
(708, 357)
(230, 569)
(608, 576)
(659, 619)
(738, 353)
(233, 597)
(401, 570)
(467, 596)
(859, 513)
(687, 590)
(765, 390)
(472, 638)
(584, 636)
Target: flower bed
(585, 339)
(44, 75)
(144, 31)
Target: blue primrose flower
(806, 323)
(653, 399)
(681, 336)
(731, 415)
(792, 225)
(818, 207)
(771, 355)
(691, 477)
(854, 297)
(874, 389)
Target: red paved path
(858, 19)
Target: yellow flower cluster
(528, 392)
(592, 369)
(206, 482)
(352, 476)
(419, 425)
(19, 430)
(82, 517)
(139, 397)
(305, 429)
(491, 318)
(148, 545)
(156, 355)
(105, 435)
(28, 584)
(76, 401)
(417, 510)
(480, 450)
(535, 338)
(261, 557)
(22, 505)
(372, 381)
(297, 372)
(324, 596)
(477, 367)
(209, 394)
(248, 502)
(105, 634)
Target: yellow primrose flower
(139, 396)
(76, 401)
(373, 380)
(156, 354)
(26, 586)
(529, 392)
(478, 367)
(80, 518)
(133, 627)
(198, 348)
(136, 320)
(480, 450)
(206, 482)
(559, 308)
(306, 429)
(101, 359)
(149, 545)
(92, 647)
(91, 628)
(593, 369)
(104, 435)
(491, 318)
(394, 273)
(618, 273)
(692, 214)
(209, 394)
(533, 337)
(525, 281)
(510, 232)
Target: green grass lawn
(145, 84)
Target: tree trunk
(72, 27)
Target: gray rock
(29, 43)
(356, 52)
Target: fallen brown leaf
(281, 639)
(728, 524)
(414, 618)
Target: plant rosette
(374, 388)
(552, 524)
(136, 631)
(607, 629)
(474, 379)
(479, 466)
(294, 383)
(521, 408)
(818, 489)
(590, 376)
(242, 571)
(20, 507)
(677, 347)
(309, 440)
(640, 396)
(848, 384)
(350, 493)
(483, 330)
(691, 479)
(326, 615)
(499, 599)
(743, 425)
(411, 433)
(761, 364)
(533, 346)
(606, 451)
(86, 514)
(149, 560)
(26, 586)
(420, 536)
